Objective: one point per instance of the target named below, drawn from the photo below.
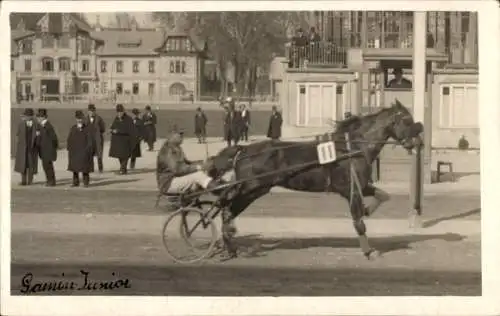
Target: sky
(143, 18)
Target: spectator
(200, 124)
(26, 162)
(232, 123)
(122, 138)
(245, 122)
(275, 121)
(399, 82)
(149, 119)
(298, 49)
(48, 144)
(139, 133)
(314, 46)
(80, 151)
(97, 129)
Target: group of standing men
(237, 123)
(37, 138)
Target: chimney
(97, 25)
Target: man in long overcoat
(245, 122)
(232, 123)
(122, 138)
(80, 150)
(26, 162)
(150, 120)
(97, 129)
(139, 135)
(275, 121)
(48, 144)
(200, 125)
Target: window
(119, 66)
(459, 106)
(64, 64)
(178, 44)
(64, 41)
(47, 41)
(177, 66)
(104, 66)
(183, 67)
(27, 65)
(27, 47)
(151, 67)
(320, 103)
(85, 66)
(135, 66)
(47, 64)
(172, 67)
(135, 88)
(86, 46)
(85, 87)
(151, 89)
(119, 88)
(12, 65)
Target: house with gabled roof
(52, 55)
(148, 65)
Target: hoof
(415, 221)
(228, 256)
(372, 254)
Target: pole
(419, 82)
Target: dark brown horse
(295, 166)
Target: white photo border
(487, 304)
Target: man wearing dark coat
(139, 134)
(26, 162)
(150, 120)
(48, 144)
(275, 121)
(80, 150)
(97, 129)
(232, 123)
(245, 122)
(123, 138)
(200, 125)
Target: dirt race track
(296, 255)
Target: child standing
(80, 151)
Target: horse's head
(401, 126)
(223, 161)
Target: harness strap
(354, 183)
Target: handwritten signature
(30, 286)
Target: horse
(260, 166)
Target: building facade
(58, 56)
(351, 67)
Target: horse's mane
(346, 125)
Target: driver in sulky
(176, 175)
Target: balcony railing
(316, 55)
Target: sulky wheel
(188, 235)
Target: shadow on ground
(436, 221)
(257, 246)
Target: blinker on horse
(295, 166)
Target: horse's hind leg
(379, 195)
(228, 232)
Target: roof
(127, 42)
(31, 19)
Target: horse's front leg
(228, 232)
(379, 197)
(357, 212)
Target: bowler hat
(42, 113)
(92, 107)
(135, 111)
(29, 112)
(120, 108)
(79, 114)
